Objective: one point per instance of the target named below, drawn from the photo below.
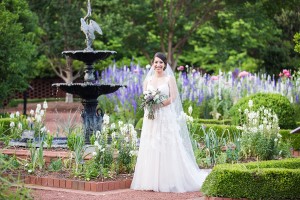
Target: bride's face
(158, 65)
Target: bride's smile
(158, 65)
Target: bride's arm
(173, 92)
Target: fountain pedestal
(92, 118)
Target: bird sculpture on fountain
(89, 28)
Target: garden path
(43, 193)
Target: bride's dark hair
(163, 57)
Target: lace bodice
(164, 88)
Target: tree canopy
(253, 35)
(18, 32)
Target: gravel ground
(113, 195)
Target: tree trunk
(69, 78)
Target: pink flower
(180, 68)
(243, 74)
(214, 78)
(285, 73)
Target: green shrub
(276, 179)
(10, 186)
(296, 107)
(55, 165)
(118, 112)
(276, 102)
(139, 124)
(199, 111)
(213, 121)
(294, 139)
(219, 129)
(5, 122)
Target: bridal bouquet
(151, 99)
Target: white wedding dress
(164, 164)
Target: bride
(166, 161)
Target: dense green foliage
(293, 139)
(17, 48)
(297, 42)
(253, 35)
(276, 102)
(277, 179)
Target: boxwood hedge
(276, 179)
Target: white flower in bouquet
(31, 112)
(151, 99)
(12, 115)
(17, 114)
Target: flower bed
(63, 179)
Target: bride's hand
(157, 106)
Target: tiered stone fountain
(91, 89)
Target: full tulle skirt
(163, 163)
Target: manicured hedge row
(276, 179)
(219, 129)
(213, 121)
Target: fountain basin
(88, 90)
(89, 57)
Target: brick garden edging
(48, 155)
(74, 184)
